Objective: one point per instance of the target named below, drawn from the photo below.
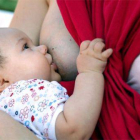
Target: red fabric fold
(118, 23)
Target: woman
(117, 22)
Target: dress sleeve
(51, 130)
(36, 104)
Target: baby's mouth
(54, 67)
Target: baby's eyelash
(25, 46)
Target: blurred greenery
(8, 5)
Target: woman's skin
(13, 130)
(42, 22)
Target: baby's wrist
(90, 75)
(91, 71)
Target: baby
(31, 95)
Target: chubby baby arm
(81, 111)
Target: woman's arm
(61, 45)
(13, 130)
(29, 16)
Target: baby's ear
(3, 84)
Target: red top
(118, 23)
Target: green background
(8, 5)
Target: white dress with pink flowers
(36, 104)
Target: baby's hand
(92, 56)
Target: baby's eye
(25, 47)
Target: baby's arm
(81, 111)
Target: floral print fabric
(36, 104)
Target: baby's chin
(59, 78)
(56, 77)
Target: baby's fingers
(84, 45)
(106, 54)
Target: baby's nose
(43, 49)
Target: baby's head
(21, 60)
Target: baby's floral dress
(36, 104)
